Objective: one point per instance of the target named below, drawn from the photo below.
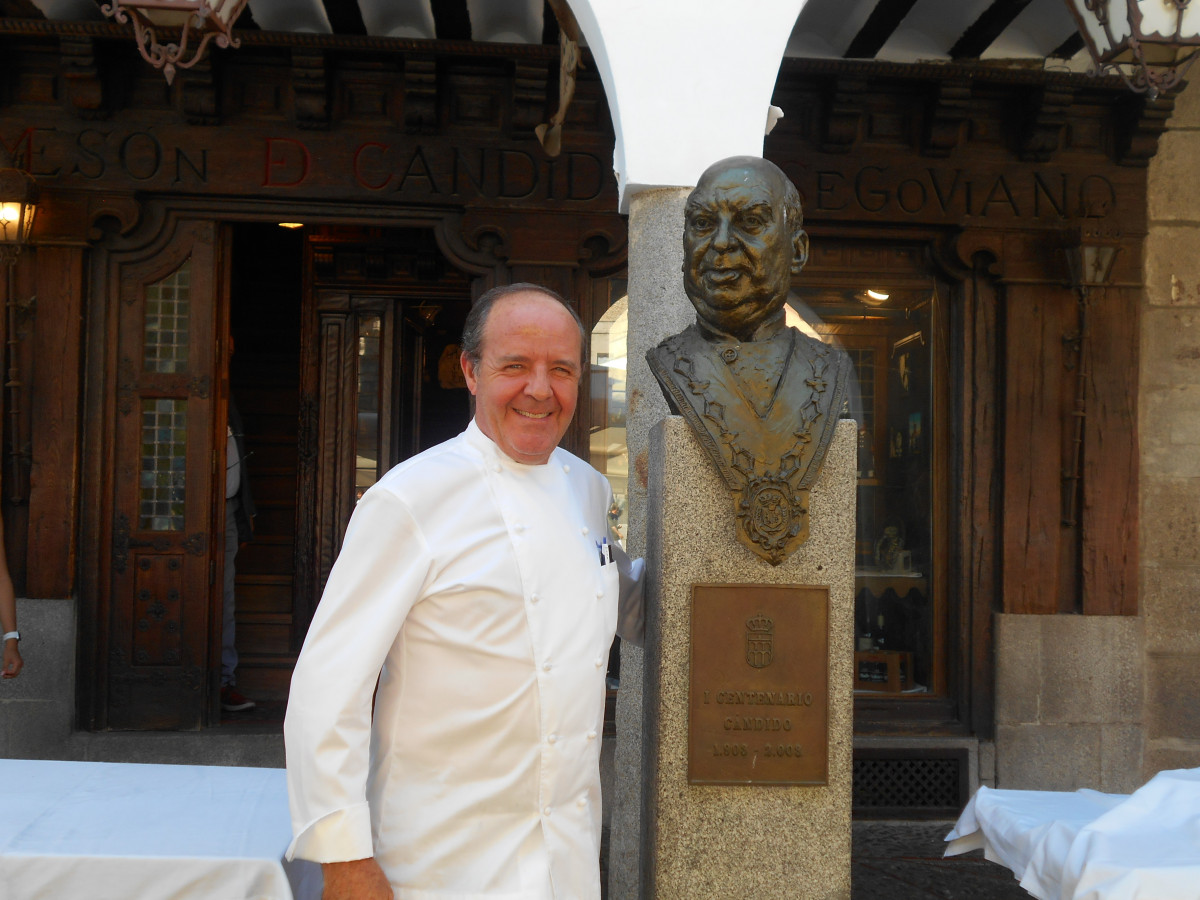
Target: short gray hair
(472, 337)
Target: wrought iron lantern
(1150, 43)
(1091, 251)
(198, 23)
(18, 205)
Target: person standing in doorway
(239, 528)
(12, 662)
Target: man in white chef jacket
(479, 588)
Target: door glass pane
(164, 457)
(607, 440)
(366, 466)
(888, 333)
(167, 313)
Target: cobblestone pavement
(903, 861)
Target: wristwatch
(11, 636)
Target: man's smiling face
(526, 383)
(739, 252)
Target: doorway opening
(346, 364)
(266, 291)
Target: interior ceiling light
(291, 224)
(874, 298)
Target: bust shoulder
(681, 344)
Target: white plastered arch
(688, 82)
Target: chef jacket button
(584, 529)
(498, 468)
(546, 667)
(599, 662)
(591, 735)
(599, 593)
(582, 802)
(546, 811)
(534, 598)
(518, 527)
(552, 739)
(566, 468)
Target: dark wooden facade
(414, 170)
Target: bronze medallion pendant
(772, 517)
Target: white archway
(688, 81)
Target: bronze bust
(762, 397)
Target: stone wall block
(1170, 430)
(211, 747)
(1121, 752)
(1172, 266)
(1170, 193)
(48, 647)
(1170, 608)
(1162, 755)
(1091, 669)
(1170, 520)
(1048, 757)
(1173, 696)
(1170, 347)
(1186, 114)
(1018, 668)
(37, 729)
(987, 763)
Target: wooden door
(159, 615)
(390, 387)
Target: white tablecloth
(123, 831)
(1092, 846)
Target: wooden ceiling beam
(987, 28)
(883, 21)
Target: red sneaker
(232, 701)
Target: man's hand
(360, 879)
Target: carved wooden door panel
(159, 615)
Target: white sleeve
(631, 609)
(378, 576)
(631, 605)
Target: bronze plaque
(758, 699)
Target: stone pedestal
(744, 841)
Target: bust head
(743, 240)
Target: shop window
(889, 333)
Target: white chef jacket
(475, 583)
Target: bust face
(739, 252)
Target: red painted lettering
(359, 163)
(288, 155)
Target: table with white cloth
(1088, 845)
(126, 831)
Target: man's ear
(799, 250)
(468, 371)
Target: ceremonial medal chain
(810, 411)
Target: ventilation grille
(909, 783)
